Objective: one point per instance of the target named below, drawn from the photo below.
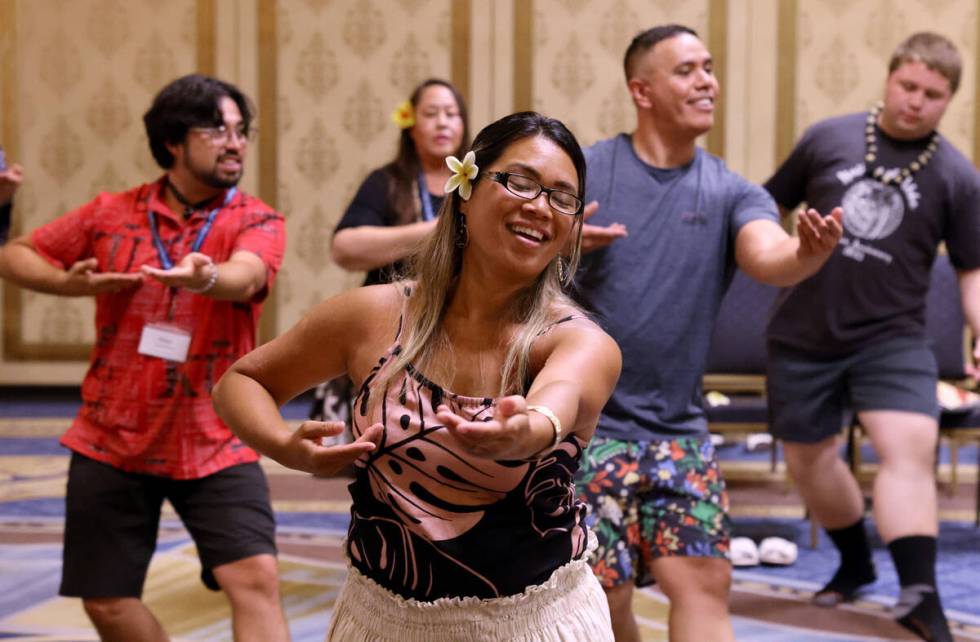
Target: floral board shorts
(650, 499)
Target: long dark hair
(403, 170)
(435, 268)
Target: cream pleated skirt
(569, 607)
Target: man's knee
(694, 579)
(802, 457)
(105, 610)
(249, 578)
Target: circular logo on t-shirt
(872, 210)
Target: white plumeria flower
(463, 174)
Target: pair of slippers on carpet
(774, 551)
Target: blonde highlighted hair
(435, 268)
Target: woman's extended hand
(305, 450)
(507, 436)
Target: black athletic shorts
(112, 518)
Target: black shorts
(112, 518)
(811, 394)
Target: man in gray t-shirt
(673, 224)
(853, 336)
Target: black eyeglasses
(528, 188)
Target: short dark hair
(190, 101)
(645, 41)
(934, 51)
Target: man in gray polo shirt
(658, 503)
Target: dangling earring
(462, 238)
(561, 271)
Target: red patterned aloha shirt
(140, 413)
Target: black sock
(856, 568)
(919, 608)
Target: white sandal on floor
(744, 552)
(777, 551)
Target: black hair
(645, 41)
(404, 168)
(190, 101)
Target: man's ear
(637, 89)
(176, 150)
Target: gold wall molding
(206, 38)
(523, 55)
(786, 79)
(17, 347)
(718, 46)
(459, 71)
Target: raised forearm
(370, 246)
(251, 413)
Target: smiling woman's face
(516, 236)
(438, 128)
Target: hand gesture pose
(818, 234)
(595, 237)
(304, 449)
(506, 436)
(82, 279)
(194, 272)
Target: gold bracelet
(555, 424)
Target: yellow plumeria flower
(404, 115)
(463, 174)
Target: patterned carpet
(768, 603)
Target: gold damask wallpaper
(576, 58)
(76, 76)
(343, 67)
(843, 48)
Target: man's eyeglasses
(528, 188)
(220, 135)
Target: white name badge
(164, 341)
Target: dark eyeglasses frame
(504, 178)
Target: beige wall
(76, 76)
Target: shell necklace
(871, 152)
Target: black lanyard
(165, 260)
(426, 200)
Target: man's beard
(211, 177)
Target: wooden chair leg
(954, 455)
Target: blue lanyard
(165, 260)
(427, 213)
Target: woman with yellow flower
(395, 208)
(479, 385)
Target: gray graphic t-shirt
(874, 285)
(657, 291)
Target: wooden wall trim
(523, 55)
(718, 46)
(206, 37)
(786, 79)
(459, 49)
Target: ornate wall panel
(79, 74)
(841, 49)
(343, 66)
(572, 68)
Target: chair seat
(741, 409)
(959, 418)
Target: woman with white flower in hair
(479, 384)
(395, 207)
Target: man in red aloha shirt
(179, 269)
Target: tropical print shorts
(650, 499)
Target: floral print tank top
(429, 521)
